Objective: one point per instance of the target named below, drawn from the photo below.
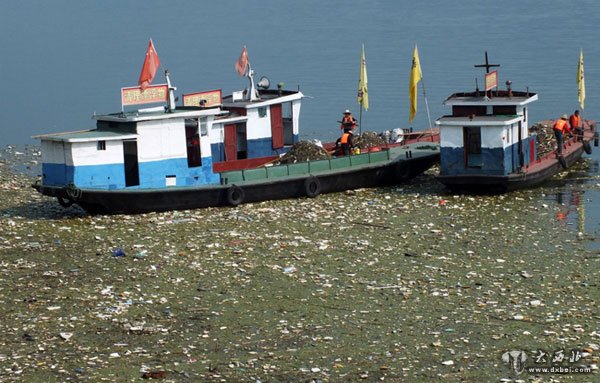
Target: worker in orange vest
(560, 127)
(576, 127)
(348, 122)
(346, 141)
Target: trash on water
(118, 252)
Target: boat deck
(571, 146)
(333, 165)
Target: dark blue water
(64, 60)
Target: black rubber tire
(64, 203)
(587, 147)
(562, 162)
(312, 187)
(235, 195)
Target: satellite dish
(264, 83)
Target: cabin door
(277, 126)
(230, 142)
(132, 171)
(472, 145)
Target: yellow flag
(363, 93)
(415, 77)
(581, 79)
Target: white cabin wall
(451, 136)
(160, 140)
(261, 126)
(87, 153)
(491, 137)
(296, 115)
(53, 152)
(217, 132)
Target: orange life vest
(560, 125)
(345, 138)
(575, 121)
(347, 120)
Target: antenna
(487, 64)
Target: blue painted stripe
(112, 176)
(55, 174)
(493, 161)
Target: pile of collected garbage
(545, 140)
(368, 140)
(393, 136)
(304, 151)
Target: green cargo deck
(331, 165)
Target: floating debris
(381, 285)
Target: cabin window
(288, 123)
(262, 111)
(524, 114)
(472, 145)
(203, 127)
(507, 110)
(101, 145)
(468, 110)
(192, 139)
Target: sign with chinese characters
(152, 94)
(491, 80)
(211, 98)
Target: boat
(488, 146)
(212, 150)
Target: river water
(63, 60)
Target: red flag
(151, 64)
(242, 62)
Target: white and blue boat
(486, 144)
(210, 151)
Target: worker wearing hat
(560, 127)
(348, 122)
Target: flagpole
(360, 120)
(580, 88)
(427, 107)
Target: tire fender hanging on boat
(587, 147)
(562, 162)
(312, 187)
(235, 195)
(65, 202)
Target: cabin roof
(87, 135)
(495, 120)
(267, 97)
(158, 113)
(500, 97)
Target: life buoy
(587, 147)
(402, 171)
(562, 162)
(235, 195)
(312, 187)
(65, 203)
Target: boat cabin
(486, 134)
(172, 145)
